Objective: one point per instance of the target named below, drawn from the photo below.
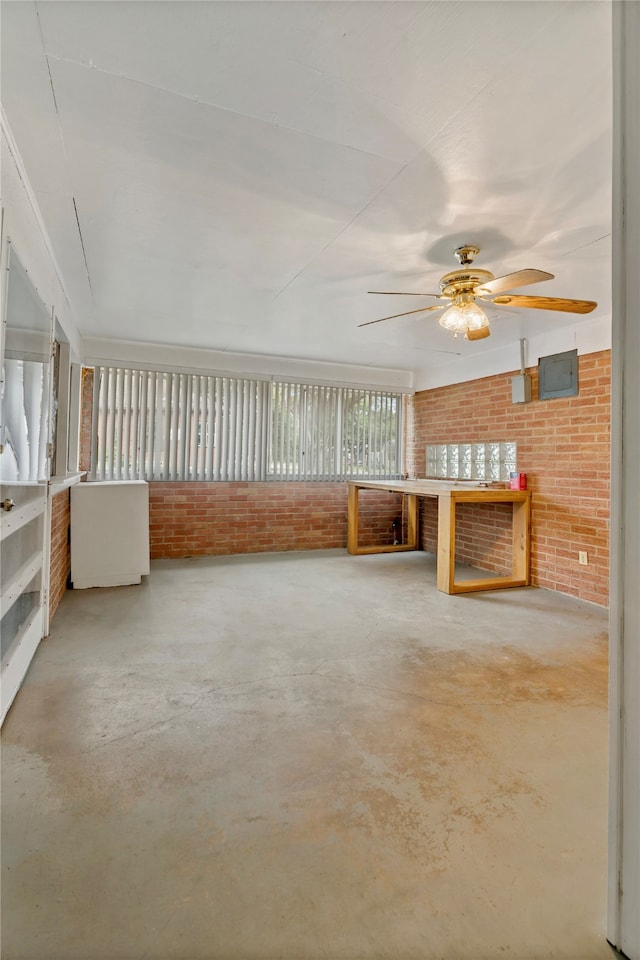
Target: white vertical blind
(170, 426)
(333, 433)
(156, 425)
(26, 399)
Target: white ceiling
(237, 175)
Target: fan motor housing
(464, 281)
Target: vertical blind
(156, 425)
(25, 414)
(333, 432)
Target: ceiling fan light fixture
(465, 318)
(461, 287)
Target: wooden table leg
(446, 543)
(520, 553)
(520, 537)
(352, 519)
(412, 521)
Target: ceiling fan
(464, 287)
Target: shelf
(58, 484)
(19, 517)
(19, 582)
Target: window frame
(177, 410)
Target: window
(156, 425)
(25, 412)
(471, 461)
(332, 433)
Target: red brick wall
(60, 549)
(483, 533)
(563, 447)
(206, 519)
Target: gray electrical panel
(558, 375)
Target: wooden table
(449, 494)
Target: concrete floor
(308, 756)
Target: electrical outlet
(583, 558)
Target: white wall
(588, 336)
(221, 363)
(23, 225)
(624, 751)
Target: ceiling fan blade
(547, 303)
(511, 280)
(405, 314)
(403, 293)
(478, 334)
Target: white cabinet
(109, 533)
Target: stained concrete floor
(308, 756)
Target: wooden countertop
(477, 490)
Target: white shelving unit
(21, 598)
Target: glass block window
(471, 461)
